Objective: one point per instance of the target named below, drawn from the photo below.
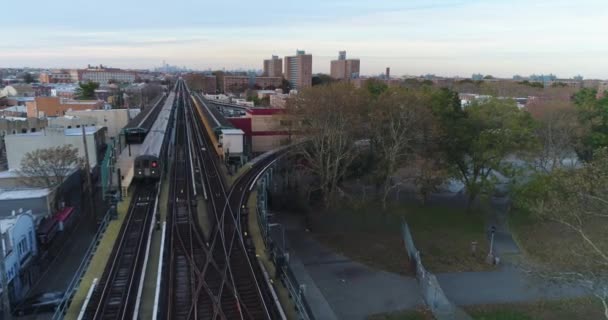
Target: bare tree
(577, 199)
(49, 167)
(558, 134)
(330, 117)
(398, 121)
(430, 172)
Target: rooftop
(20, 194)
(233, 131)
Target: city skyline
(449, 38)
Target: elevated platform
(210, 122)
(151, 145)
(146, 114)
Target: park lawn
(552, 244)
(579, 308)
(570, 309)
(403, 315)
(367, 234)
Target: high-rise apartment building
(273, 67)
(344, 69)
(298, 70)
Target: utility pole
(87, 168)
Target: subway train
(147, 167)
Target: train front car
(147, 167)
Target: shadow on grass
(364, 232)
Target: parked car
(44, 302)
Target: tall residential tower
(273, 67)
(344, 69)
(298, 70)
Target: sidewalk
(349, 289)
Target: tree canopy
(86, 90)
(331, 118)
(49, 167)
(593, 114)
(477, 139)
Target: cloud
(414, 37)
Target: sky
(413, 37)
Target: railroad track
(115, 295)
(208, 278)
(188, 295)
(240, 294)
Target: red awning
(64, 214)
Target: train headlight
(154, 164)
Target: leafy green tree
(477, 140)
(322, 79)
(86, 90)
(285, 85)
(593, 115)
(28, 78)
(375, 87)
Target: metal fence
(433, 295)
(82, 268)
(280, 258)
(107, 165)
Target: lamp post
(490, 257)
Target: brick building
(602, 89)
(241, 83)
(345, 69)
(266, 128)
(103, 75)
(55, 106)
(56, 76)
(273, 67)
(298, 70)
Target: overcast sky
(444, 37)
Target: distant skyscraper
(298, 70)
(273, 67)
(344, 69)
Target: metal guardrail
(107, 164)
(281, 261)
(82, 268)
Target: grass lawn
(404, 315)
(553, 244)
(581, 308)
(443, 235)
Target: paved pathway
(349, 289)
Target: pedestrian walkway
(339, 286)
(62, 268)
(509, 284)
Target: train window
(145, 163)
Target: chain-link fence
(433, 295)
(280, 258)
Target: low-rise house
(19, 249)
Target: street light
(490, 258)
